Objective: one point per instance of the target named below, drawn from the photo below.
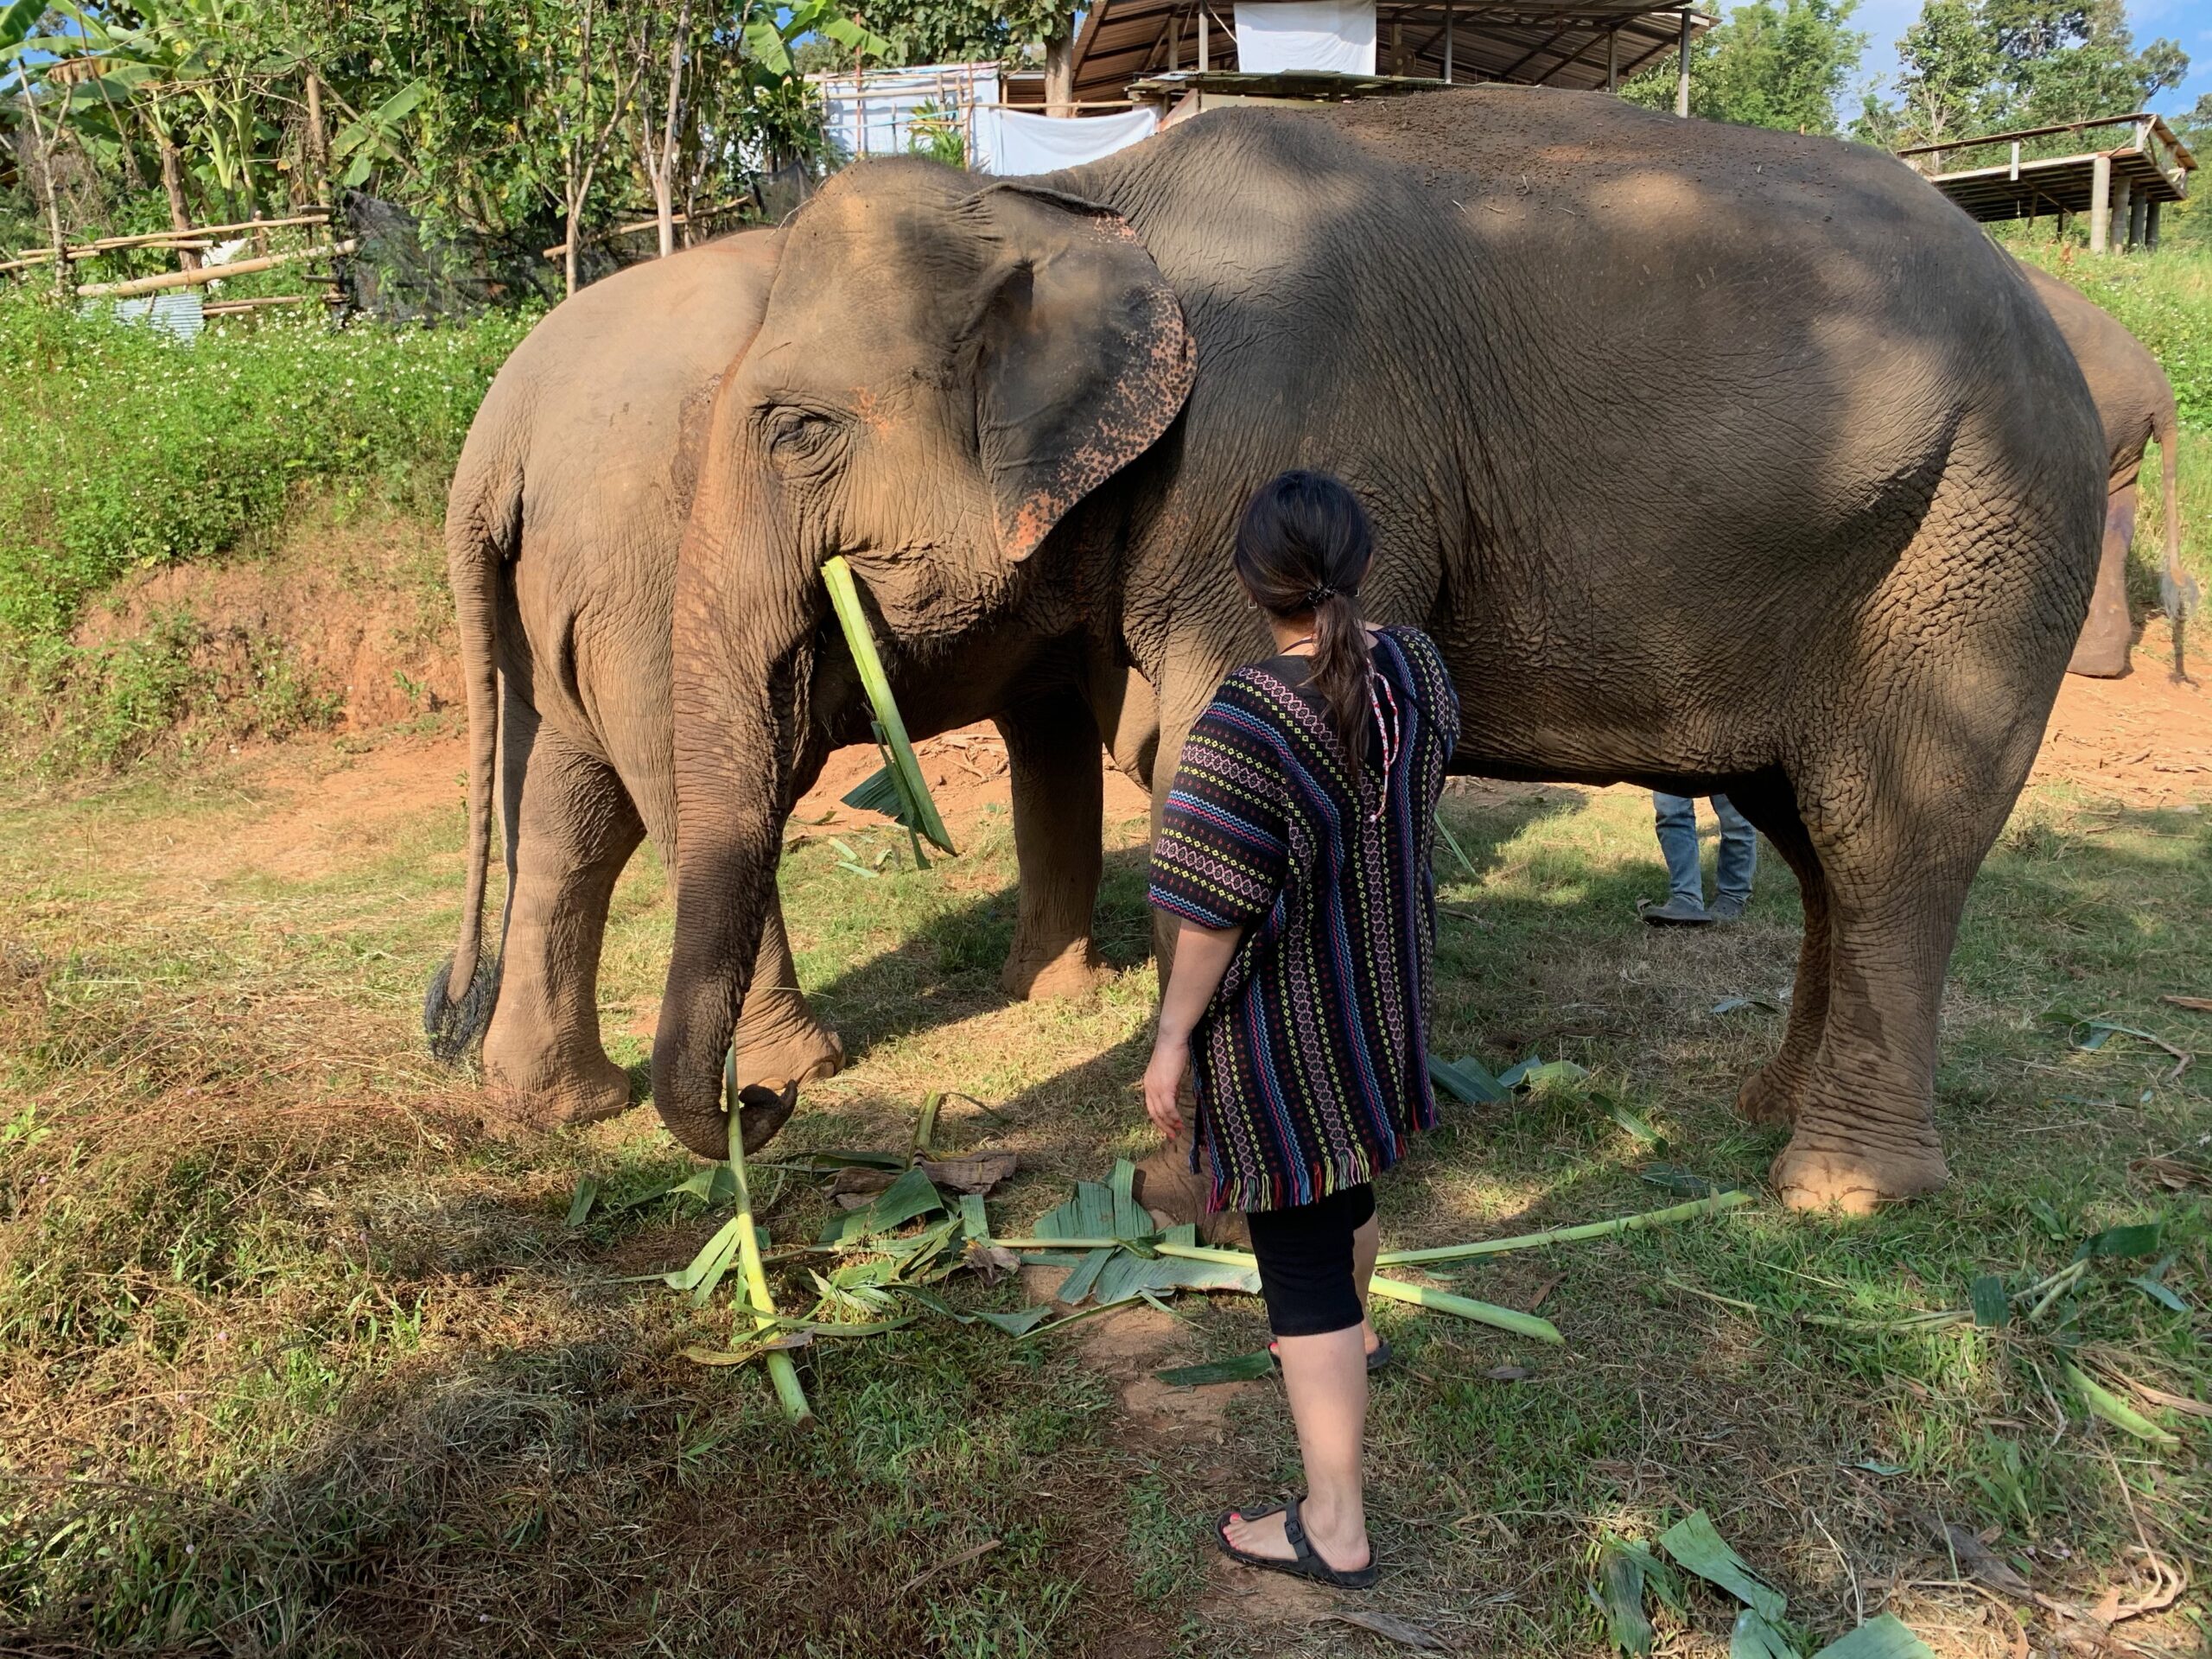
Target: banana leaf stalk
(1443, 1301)
(1711, 1206)
(781, 1371)
(919, 814)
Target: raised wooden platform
(2051, 170)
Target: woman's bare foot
(1341, 1546)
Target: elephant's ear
(1081, 357)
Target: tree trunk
(173, 187)
(664, 205)
(45, 157)
(318, 145)
(1059, 67)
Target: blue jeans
(1739, 848)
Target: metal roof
(1523, 41)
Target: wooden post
(2139, 214)
(2121, 192)
(1447, 43)
(1683, 68)
(2100, 203)
(1204, 44)
(1175, 42)
(1613, 59)
(2151, 225)
(1398, 44)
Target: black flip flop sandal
(1304, 1563)
(1376, 1361)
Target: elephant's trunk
(743, 647)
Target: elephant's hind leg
(1775, 1093)
(1928, 742)
(573, 829)
(2107, 635)
(1056, 764)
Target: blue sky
(2188, 21)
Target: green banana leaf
(919, 812)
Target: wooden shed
(1590, 45)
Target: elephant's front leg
(779, 1038)
(1054, 758)
(2101, 650)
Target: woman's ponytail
(1301, 548)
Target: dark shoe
(1726, 909)
(1676, 912)
(1304, 1563)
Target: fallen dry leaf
(975, 1172)
(1975, 1558)
(2197, 1004)
(1396, 1629)
(948, 1564)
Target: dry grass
(296, 1357)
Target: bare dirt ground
(2142, 740)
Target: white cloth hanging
(1338, 36)
(1013, 143)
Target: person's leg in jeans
(1675, 817)
(1739, 858)
(1309, 1270)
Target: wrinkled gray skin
(1715, 459)
(2136, 405)
(566, 512)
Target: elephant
(1825, 541)
(563, 527)
(2136, 405)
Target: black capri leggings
(1306, 1261)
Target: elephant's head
(942, 374)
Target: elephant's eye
(797, 434)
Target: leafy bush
(128, 448)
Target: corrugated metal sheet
(177, 312)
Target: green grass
(291, 1344)
(128, 450)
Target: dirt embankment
(351, 608)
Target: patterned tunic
(1312, 1060)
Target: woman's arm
(1202, 956)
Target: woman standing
(1295, 847)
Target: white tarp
(891, 111)
(1273, 36)
(1013, 143)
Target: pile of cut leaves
(915, 1220)
(1762, 1630)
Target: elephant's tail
(483, 531)
(2176, 588)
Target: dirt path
(2144, 741)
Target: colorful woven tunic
(1312, 1060)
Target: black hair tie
(1318, 595)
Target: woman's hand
(1163, 1080)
